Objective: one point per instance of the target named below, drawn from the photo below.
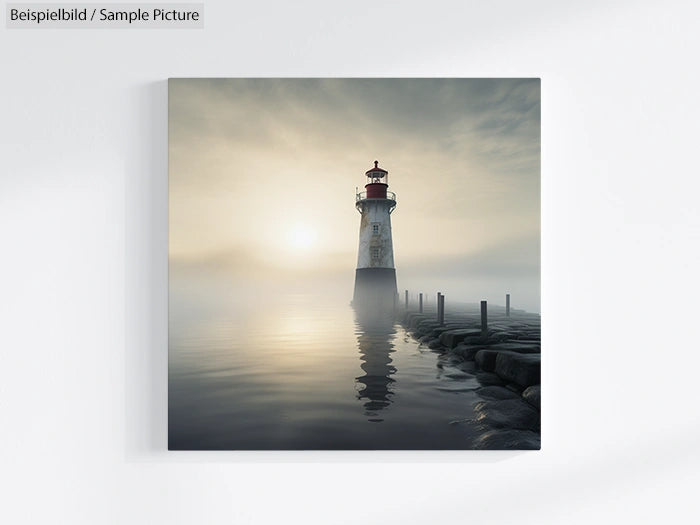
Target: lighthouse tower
(375, 277)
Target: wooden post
(507, 305)
(484, 321)
(420, 302)
(441, 309)
(406, 299)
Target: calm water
(301, 373)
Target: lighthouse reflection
(375, 335)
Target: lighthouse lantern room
(375, 276)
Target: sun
(301, 238)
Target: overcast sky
(263, 175)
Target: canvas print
(354, 264)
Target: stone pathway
(507, 359)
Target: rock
(426, 327)
(508, 440)
(522, 348)
(459, 349)
(470, 352)
(415, 320)
(532, 396)
(499, 337)
(452, 338)
(522, 369)
(467, 366)
(517, 389)
(488, 378)
(466, 351)
(486, 359)
(434, 343)
(436, 332)
(508, 413)
(496, 392)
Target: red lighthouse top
(377, 175)
(375, 169)
(376, 188)
(377, 182)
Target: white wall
(82, 268)
(375, 212)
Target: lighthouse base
(375, 288)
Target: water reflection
(375, 336)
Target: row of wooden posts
(441, 309)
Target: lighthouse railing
(390, 195)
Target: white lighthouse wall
(375, 212)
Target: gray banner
(105, 16)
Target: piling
(420, 302)
(406, 299)
(484, 320)
(507, 305)
(441, 308)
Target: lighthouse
(375, 276)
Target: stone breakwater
(505, 361)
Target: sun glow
(301, 238)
